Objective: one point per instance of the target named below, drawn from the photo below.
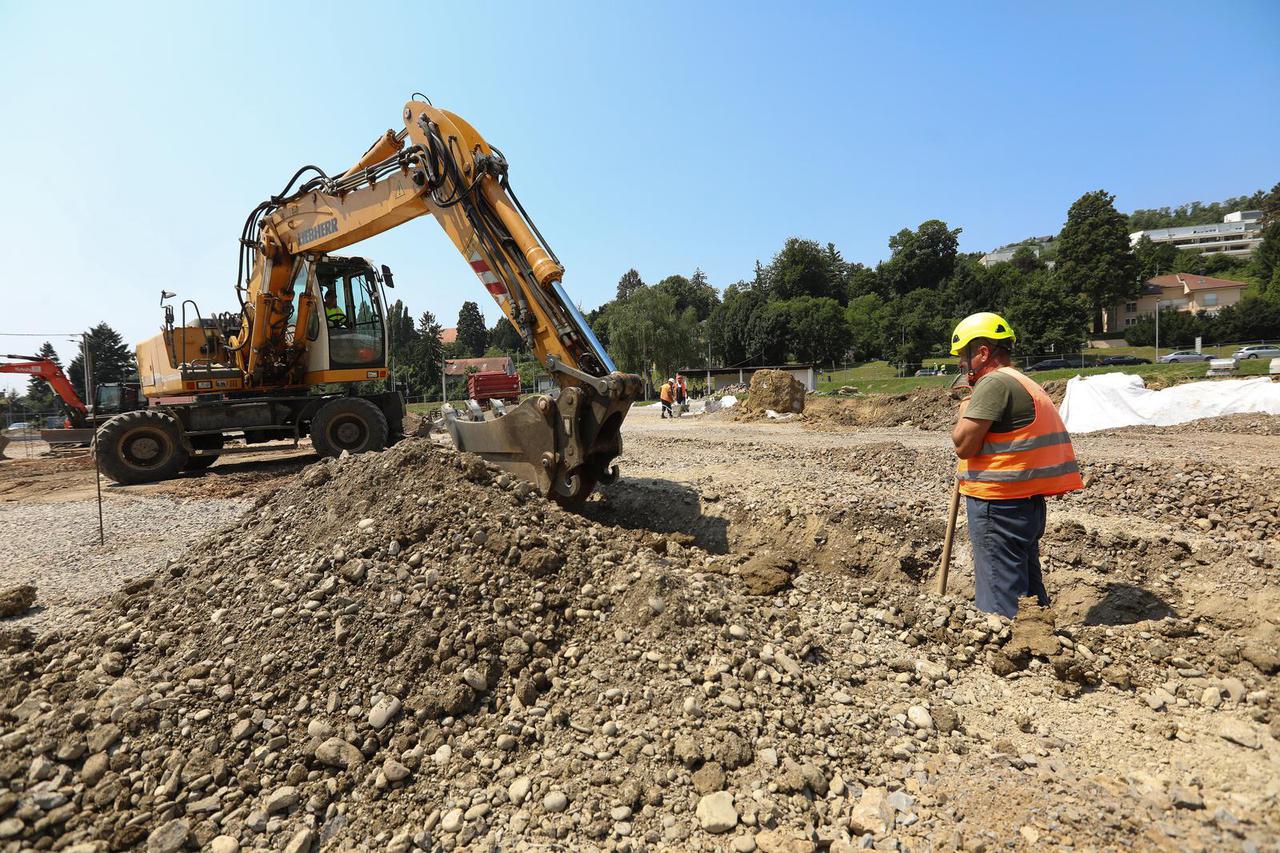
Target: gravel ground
(55, 546)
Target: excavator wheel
(203, 442)
(140, 447)
(352, 424)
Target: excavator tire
(203, 442)
(140, 447)
(348, 423)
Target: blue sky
(665, 136)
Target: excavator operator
(331, 310)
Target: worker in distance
(1014, 452)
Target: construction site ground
(735, 646)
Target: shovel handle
(952, 511)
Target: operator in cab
(335, 315)
(1014, 452)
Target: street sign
(1199, 342)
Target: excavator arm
(439, 165)
(51, 373)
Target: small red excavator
(110, 399)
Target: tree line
(808, 304)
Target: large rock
(17, 600)
(716, 812)
(776, 390)
(872, 814)
(336, 752)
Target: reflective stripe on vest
(1036, 459)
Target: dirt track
(1154, 723)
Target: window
(1129, 321)
(1209, 300)
(1131, 308)
(355, 328)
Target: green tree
(860, 280)
(472, 332)
(916, 325)
(803, 268)
(1093, 254)
(1154, 258)
(973, 287)
(647, 331)
(426, 358)
(727, 326)
(1047, 316)
(819, 333)
(402, 338)
(768, 333)
(1264, 265)
(1025, 260)
(504, 337)
(694, 292)
(629, 284)
(866, 319)
(39, 393)
(923, 258)
(112, 359)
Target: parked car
(1123, 359)
(1050, 364)
(20, 426)
(1184, 355)
(1258, 351)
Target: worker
(682, 394)
(667, 396)
(1014, 452)
(331, 310)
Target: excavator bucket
(562, 444)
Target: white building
(1005, 253)
(1239, 233)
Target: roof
(1190, 283)
(746, 368)
(462, 366)
(449, 335)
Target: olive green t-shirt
(1001, 399)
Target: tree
(923, 258)
(803, 268)
(916, 325)
(1047, 316)
(726, 328)
(693, 293)
(1265, 263)
(629, 284)
(647, 331)
(1093, 254)
(426, 358)
(1025, 260)
(112, 359)
(39, 392)
(1154, 258)
(504, 337)
(472, 332)
(973, 287)
(819, 332)
(866, 318)
(768, 332)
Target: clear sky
(666, 136)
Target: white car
(1183, 355)
(1258, 351)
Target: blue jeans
(1006, 552)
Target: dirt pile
(775, 390)
(409, 650)
(925, 408)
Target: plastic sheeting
(1112, 400)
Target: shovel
(952, 511)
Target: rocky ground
(734, 647)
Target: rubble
(412, 651)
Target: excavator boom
(438, 165)
(50, 372)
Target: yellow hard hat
(984, 324)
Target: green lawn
(877, 377)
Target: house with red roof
(1183, 291)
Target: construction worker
(1014, 452)
(331, 310)
(667, 396)
(682, 394)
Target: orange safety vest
(665, 393)
(1034, 460)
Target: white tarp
(1111, 400)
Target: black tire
(140, 447)
(1252, 355)
(203, 442)
(352, 424)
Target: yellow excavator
(311, 322)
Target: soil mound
(776, 390)
(926, 408)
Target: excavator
(81, 420)
(307, 353)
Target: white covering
(1111, 400)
